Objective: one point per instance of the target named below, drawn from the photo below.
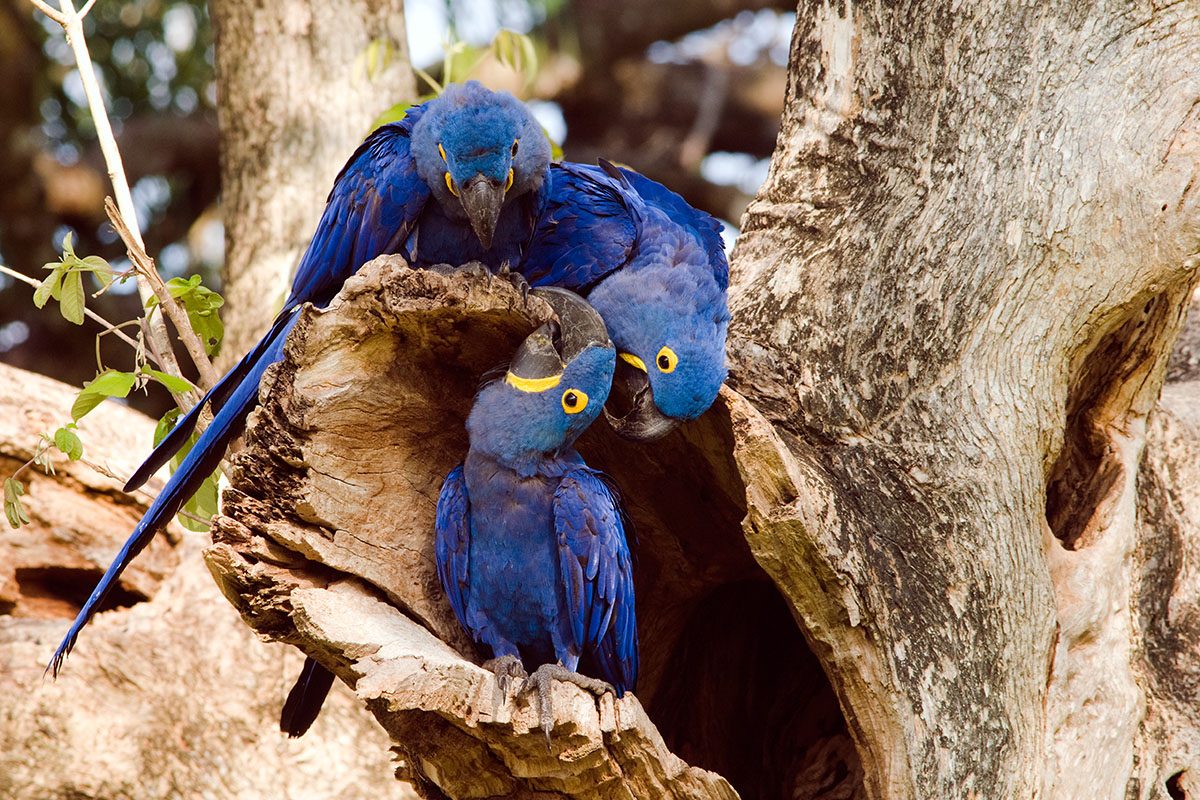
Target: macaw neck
(443, 229)
(484, 466)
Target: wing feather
(597, 570)
(452, 542)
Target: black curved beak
(537, 358)
(580, 325)
(643, 422)
(482, 199)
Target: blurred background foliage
(687, 91)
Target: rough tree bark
(286, 132)
(956, 295)
(954, 300)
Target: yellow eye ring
(443, 152)
(574, 401)
(666, 360)
(509, 184)
(450, 185)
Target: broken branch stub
(326, 542)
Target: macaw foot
(472, 269)
(507, 273)
(506, 668)
(543, 679)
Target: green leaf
(201, 304)
(50, 286)
(165, 423)
(68, 246)
(72, 301)
(173, 384)
(68, 442)
(109, 383)
(84, 403)
(13, 509)
(209, 328)
(112, 383)
(100, 268)
(203, 504)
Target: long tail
(200, 462)
(304, 701)
(215, 398)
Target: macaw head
(477, 150)
(669, 325)
(555, 386)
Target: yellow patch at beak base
(632, 359)
(532, 384)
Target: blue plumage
(530, 542)
(655, 269)
(380, 203)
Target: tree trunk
(954, 301)
(285, 132)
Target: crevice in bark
(1174, 790)
(1089, 475)
(749, 700)
(55, 592)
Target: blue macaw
(460, 178)
(655, 269)
(530, 542)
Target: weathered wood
(167, 694)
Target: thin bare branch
(72, 23)
(50, 12)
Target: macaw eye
(574, 401)
(514, 150)
(509, 184)
(666, 360)
(443, 152)
(450, 185)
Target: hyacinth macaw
(530, 542)
(655, 269)
(460, 178)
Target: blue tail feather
(215, 399)
(200, 462)
(304, 701)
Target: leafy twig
(145, 266)
(72, 23)
(92, 315)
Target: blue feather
(199, 463)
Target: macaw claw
(542, 680)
